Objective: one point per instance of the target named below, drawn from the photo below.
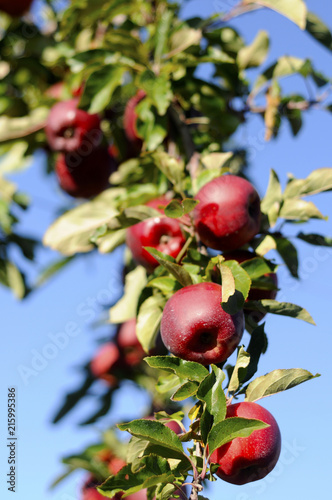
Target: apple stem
(184, 249)
(196, 487)
(182, 493)
(205, 462)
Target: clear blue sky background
(303, 413)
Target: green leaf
(73, 398)
(271, 202)
(132, 215)
(166, 284)
(211, 393)
(16, 280)
(216, 161)
(185, 391)
(240, 370)
(168, 383)
(177, 208)
(126, 307)
(172, 168)
(285, 66)
(174, 209)
(7, 189)
(111, 240)
(71, 233)
(52, 269)
(315, 239)
(158, 90)
(254, 55)
(288, 253)
(103, 407)
(268, 243)
(16, 128)
(14, 159)
(188, 205)
(155, 432)
(187, 370)
(153, 469)
(295, 10)
(162, 35)
(101, 84)
(231, 428)
(182, 39)
(276, 381)
(257, 267)
(281, 308)
(319, 30)
(151, 127)
(148, 321)
(297, 209)
(135, 451)
(257, 346)
(176, 270)
(318, 181)
(228, 283)
(242, 283)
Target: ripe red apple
(69, 128)
(196, 328)
(128, 343)
(228, 213)
(89, 491)
(15, 8)
(131, 349)
(85, 176)
(162, 233)
(114, 463)
(55, 91)
(130, 119)
(104, 362)
(244, 460)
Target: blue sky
(87, 285)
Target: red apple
(69, 128)
(104, 362)
(85, 176)
(196, 328)
(89, 491)
(131, 349)
(128, 343)
(55, 91)
(228, 213)
(15, 8)
(162, 233)
(130, 119)
(244, 460)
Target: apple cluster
(194, 325)
(84, 163)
